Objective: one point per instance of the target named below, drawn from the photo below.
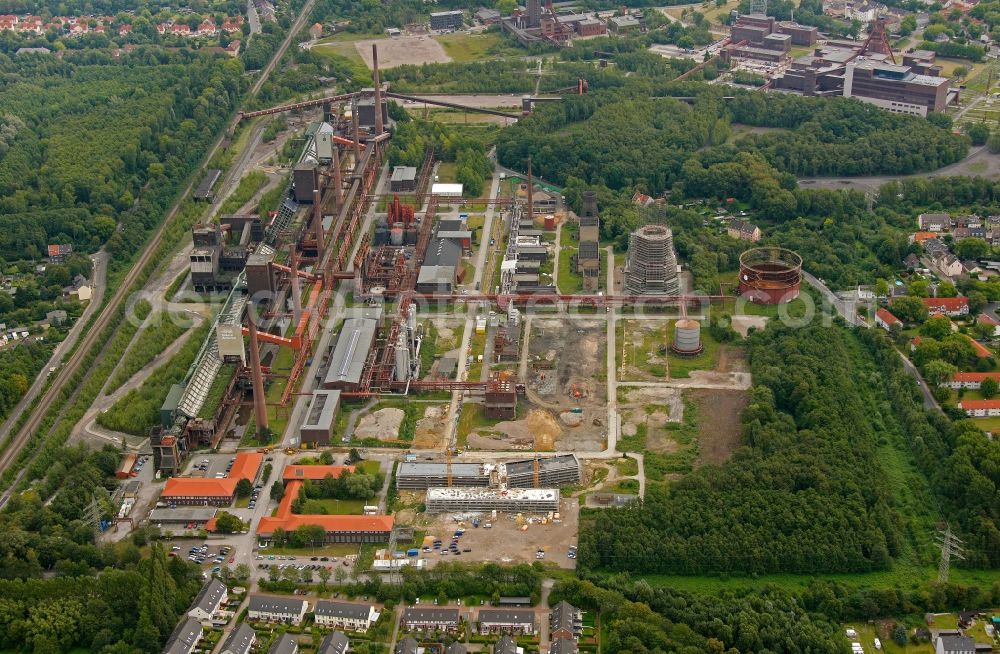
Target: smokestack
(296, 287)
(357, 138)
(257, 376)
(378, 92)
(531, 213)
(318, 223)
(338, 182)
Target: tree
(506, 7)
(919, 288)
(988, 389)
(899, 631)
(242, 572)
(978, 133)
(971, 248)
(909, 309)
(324, 576)
(960, 72)
(227, 523)
(938, 371)
(244, 488)
(936, 327)
(326, 458)
(882, 288)
(273, 574)
(277, 490)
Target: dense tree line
(413, 137)
(19, 365)
(95, 138)
(958, 459)
(805, 493)
(346, 486)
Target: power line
(951, 546)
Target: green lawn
(866, 636)
(476, 347)
(334, 507)
(567, 279)
(469, 47)
(337, 549)
(680, 367)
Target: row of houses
(191, 629)
(79, 25)
(952, 307)
(327, 613)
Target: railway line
(72, 365)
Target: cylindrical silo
(396, 234)
(687, 337)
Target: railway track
(15, 445)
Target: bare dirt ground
(566, 371)
(505, 542)
(732, 359)
(742, 324)
(382, 424)
(659, 395)
(538, 429)
(719, 426)
(431, 428)
(403, 50)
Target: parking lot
(506, 540)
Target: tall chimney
(338, 182)
(318, 222)
(357, 138)
(378, 92)
(531, 213)
(257, 376)
(296, 286)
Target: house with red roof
(886, 320)
(181, 29)
(232, 24)
(199, 491)
(207, 28)
(949, 306)
(970, 380)
(980, 408)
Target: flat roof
(403, 173)
(182, 514)
(493, 494)
(436, 275)
(355, 341)
(522, 466)
(425, 469)
(322, 409)
(447, 189)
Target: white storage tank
(687, 337)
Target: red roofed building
(980, 408)
(886, 320)
(181, 29)
(207, 28)
(215, 492)
(981, 350)
(124, 29)
(232, 24)
(970, 380)
(949, 306)
(339, 528)
(293, 472)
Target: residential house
(935, 247)
(184, 638)
(232, 24)
(334, 643)
(982, 351)
(955, 645)
(272, 608)
(984, 319)
(642, 199)
(212, 595)
(124, 29)
(912, 262)
(949, 306)
(59, 252)
(970, 221)
(407, 645)
(240, 641)
(743, 231)
(563, 646)
(316, 31)
(565, 621)
(507, 621)
(207, 28)
(284, 644)
(934, 222)
(886, 320)
(980, 408)
(506, 645)
(419, 618)
(56, 317)
(920, 237)
(950, 265)
(970, 380)
(345, 615)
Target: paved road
(612, 369)
(100, 260)
(253, 18)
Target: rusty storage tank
(550, 222)
(770, 275)
(687, 337)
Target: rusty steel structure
(770, 275)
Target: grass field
(681, 367)
(469, 47)
(334, 507)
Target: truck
(412, 552)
